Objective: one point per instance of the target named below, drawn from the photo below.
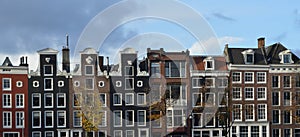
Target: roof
(273, 51)
(7, 62)
(235, 56)
(219, 62)
(48, 51)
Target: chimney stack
(66, 56)
(261, 42)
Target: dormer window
(286, 57)
(248, 56)
(209, 63)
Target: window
(223, 82)
(249, 77)
(176, 118)
(143, 133)
(287, 98)
(20, 119)
(101, 84)
(155, 70)
(77, 99)
(61, 100)
(48, 70)
(176, 94)
(155, 93)
(297, 132)
(254, 131)
(139, 83)
(36, 134)
(117, 99)
(48, 119)
(6, 100)
(261, 93)
(275, 81)
(129, 84)
(249, 58)
(48, 84)
(48, 100)
(197, 99)
(61, 118)
(50, 134)
(77, 119)
(129, 71)
(7, 119)
(264, 131)
(198, 82)
(261, 112)
(243, 131)
(102, 97)
(297, 98)
(197, 119)
(222, 119)
(276, 116)
(141, 117)
(36, 100)
(249, 94)
(118, 83)
(141, 98)
(118, 133)
(6, 84)
(287, 117)
(129, 98)
(237, 112)
(236, 77)
(156, 118)
(103, 119)
(175, 69)
(275, 132)
(222, 99)
(210, 82)
(209, 120)
(287, 133)
(129, 133)
(10, 134)
(19, 84)
(297, 80)
(60, 83)
(19, 100)
(35, 84)
(286, 81)
(287, 58)
(76, 83)
(236, 93)
(129, 114)
(89, 70)
(249, 112)
(89, 84)
(117, 118)
(89, 99)
(36, 119)
(261, 77)
(275, 98)
(209, 99)
(209, 65)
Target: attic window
(209, 63)
(248, 56)
(286, 57)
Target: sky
(32, 25)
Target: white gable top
(48, 51)
(89, 51)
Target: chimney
(107, 66)
(100, 63)
(261, 42)
(66, 56)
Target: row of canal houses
(245, 92)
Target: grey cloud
(223, 17)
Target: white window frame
(213, 83)
(240, 77)
(103, 101)
(247, 76)
(259, 75)
(19, 101)
(141, 102)
(45, 83)
(80, 118)
(20, 119)
(183, 123)
(222, 84)
(120, 118)
(246, 91)
(132, 84)
(141, 123)
(200, 119)
(85, 68)
(86, 81)
(103, 119)
(212, 64)
(52, 118)
(235, 90)
(132, 99)
(36, 132)
(211, 117)
(210, 94)
(139, 83)
(57, 99)
(290, 81)
(9, 134)
(40, 118)
(181, 72)
(52, 132)
(246, 58)
(101, 84)
(6, 88)
(35, 84)
(253, 113)
(221, 98)
(143, 129)
(39, 95)
(118, 83)
(65, 118)
(132, 70)
(45, 100)
(120, 131)
(263, 110)
(239, 107)
(126, 120)
(115, 96)
(76, 83)
(80, 99)
(279, 116)
(290, 117)
(201, 99)
(279, 98)
(19, 84)
(198, 81)
(289, 103)
(60, 83)
(264, 91)
(6, 99)
(51, 74)
(89, 99)
(129, 131)
(9, 119)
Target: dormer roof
(274, 51)
(7, 62)
(236, 56)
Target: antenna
(67, 41)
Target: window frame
(248, 91)
(58, 118)
(52, 119)
(237, 92)
(51, 67)
(104, 104)
(132, 99)
(258, 91)
(75, 116)
(127, 72)
(45, 100)
(127, 123)
(20, 119)
(262, 111)
(141, 123)
(119, 124)
(58, 98)
(85, 70)
(259, 76)
(4, 88)
(45, 84)
(236, 77)
(40, 119)
(8, 123)
(6, 100)
(246, 76)
(144, 99)
(115, 96)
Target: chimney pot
(261, 42)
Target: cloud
(213, 46)
(223, 17)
